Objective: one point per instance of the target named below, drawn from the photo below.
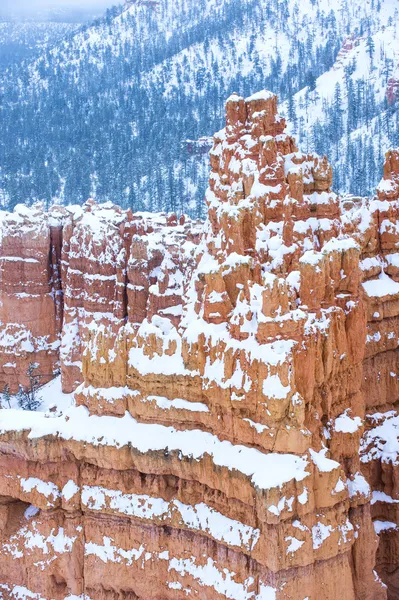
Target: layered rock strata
(234, 433)
(30, 295)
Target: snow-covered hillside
(28, 29)
(22, 39)
(350, 111)
(108, 110)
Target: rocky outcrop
(380, 443)
(30, 294)
(119, 267)
(348, 44)
(234, 428)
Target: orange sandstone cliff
(234, 431)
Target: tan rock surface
(234, 432)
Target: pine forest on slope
(26, 30)
(122, 109)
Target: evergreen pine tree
(6, 396)
(28, 397)
(370, 47)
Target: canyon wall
(234, 427)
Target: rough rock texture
(235, 394)
(30, 295)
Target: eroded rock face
(30, 294)
(234, 428)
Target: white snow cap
(262, 95)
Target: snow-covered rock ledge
(218, 378)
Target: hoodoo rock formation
(234, 433)
(30, 295)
